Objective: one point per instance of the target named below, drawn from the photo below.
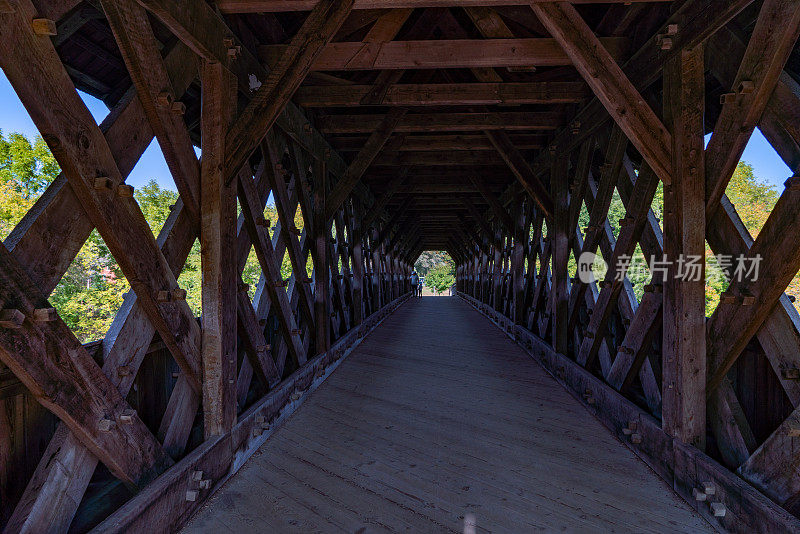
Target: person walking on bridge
(415, 284)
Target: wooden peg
(123, 370)
(125, 190)
(636, 438)
(197, 476)
(746, 87)
(728, 98)
(45, 315)
(708, 488)
(178, 108)
(178, 294)
(163, 295)
(11, 318)
(105, 425)
(699, 495)
(718, 509)
(103, 182)
(126, 417)
(45, 27)
(165, 99)
(191, 495)
(792, 373)
(205, 484)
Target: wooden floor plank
(435, 415)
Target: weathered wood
(615, 152)
(53, 365)
(268, 102)
(164, 502)
(445, 122)
(494, 204)
(217, 238)
(771, 42)
(362, 161)
(266, 6)
(522, 171)
(322, 337)
(140, 50)
(460, 53)
(82, 152)
(446, 94)
(683, 346)
(559, 187)
(286, 209)
(609, 83)
(256, 228)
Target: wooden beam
(441, 54)
(63, 377)
(276, 175)
(89, 165)
(255, 225)
(733, 324)
(428, 158)
(322, 336)
(134, 36)
(609, 83)
(494, 204)
(386, 196)
(273, 6)
(771, 42)
(684, 317)
(437, 143)
(520, 168)
(362, 161)
(446, 94)
(559, 188)
(217, 239)
(598, 213)
(444, 122)
(269, 100)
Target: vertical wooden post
(358, 263)
(684, 342)
(560, 240)
(518, 260)
(497, 269)
(217, 247)
(320, 258)
(377, 289)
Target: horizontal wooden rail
(682, 466)
(177, 494)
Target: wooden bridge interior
(478, 127)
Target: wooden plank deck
(437, 415)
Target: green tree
(440, 277)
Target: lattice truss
(140, 427)
(211, 386)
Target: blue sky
(767, 164)
(14, 118)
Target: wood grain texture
(413, 431)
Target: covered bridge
(535, 398)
